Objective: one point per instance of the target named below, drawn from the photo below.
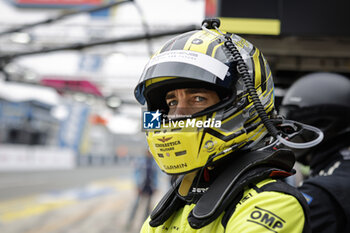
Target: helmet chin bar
(243, 71)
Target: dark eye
(199, 98)
(172, 103)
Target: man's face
(189, 101)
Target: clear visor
(183, 64)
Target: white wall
(21, 157)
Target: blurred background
(70, 128)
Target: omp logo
(164, 139)
(266, 219)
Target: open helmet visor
(181, 64)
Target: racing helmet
(322, 100)
(201, 59)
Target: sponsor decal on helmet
(164, 139)
(167, 146)
(208, 63)
(266, 219)
(210, 145)
(197, 41)
(178, 153)
(242, 43)
(176, 166)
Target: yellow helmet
(202, 59)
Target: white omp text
(192, 123)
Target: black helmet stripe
(251, 54)
(211, 47)
(263, 73)
(224, 137)
(253, 69)
(179, 43)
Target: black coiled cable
(243, 71)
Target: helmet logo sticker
(242, 43)
(197, 41)
(210, 145)
(169, 146)
(164, 139)
(179, 153)
(176, 166)
(193, 58)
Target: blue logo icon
(151, 120)
(307, 197)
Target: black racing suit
(328, 190)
